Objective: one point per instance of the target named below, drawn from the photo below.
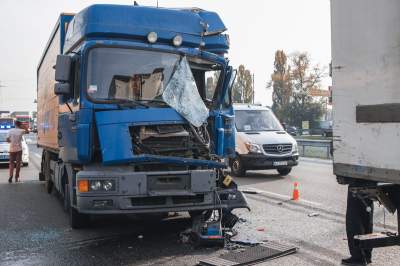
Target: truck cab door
(225, 118)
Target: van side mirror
(62, 88)
(63, 68)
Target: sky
(256, 28)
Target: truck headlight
(95, 185)
(108, 185)
(253, 148)
(102, 185)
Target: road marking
(284, 197)
(38, 155)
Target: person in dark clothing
(359, 221)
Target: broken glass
(181, 93)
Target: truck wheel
(47, 174)
(237, 167)
(67, 202)
(284, 171)
(78, 220)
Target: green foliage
(291, 82)
(243, 87)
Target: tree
(243, 87)
(281, 84)
(291, 83)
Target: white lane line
(284, 197)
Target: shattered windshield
(184, 83)
(126, 74)
(183, 95)
(256, 120)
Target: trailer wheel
(284, 171)
(237, 167)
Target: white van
(261, 142)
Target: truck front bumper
(156, 192)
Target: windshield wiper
(130, 103)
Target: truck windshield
(256, 120)
(120, 74)
(125, 74)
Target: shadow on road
(35, 230)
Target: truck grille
(277, 148)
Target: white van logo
(279, 148)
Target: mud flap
(232, 198)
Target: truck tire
(237, 167)
(67, 200)
(284, 171)
(47, 173)
(78, 220)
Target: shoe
(17, 180)
(10, 180)
(354, 261)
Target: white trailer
(366, 97)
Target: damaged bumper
(155, 192)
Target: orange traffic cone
(296, 194)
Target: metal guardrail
(315, 148)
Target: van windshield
(256, 120)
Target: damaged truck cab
(135, 112)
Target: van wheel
(78, 220)
(237, 167)
(284, 171)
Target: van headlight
(253, 148)
(295, 148)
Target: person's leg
(367, 220)
(11, 166)
(354, 224)
(18, 159)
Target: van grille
(277, 148)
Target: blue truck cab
(135, 112)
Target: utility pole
(1, 94)
(253, 88)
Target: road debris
(314, 214)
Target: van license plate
(4, 156)
(280, 163)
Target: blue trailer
(135, 112)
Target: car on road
(261, 142)
(5, 149)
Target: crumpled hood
(266, 137)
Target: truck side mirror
(63, 68)
(62, 88)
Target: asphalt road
(34, 228)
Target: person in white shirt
(14, 137)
